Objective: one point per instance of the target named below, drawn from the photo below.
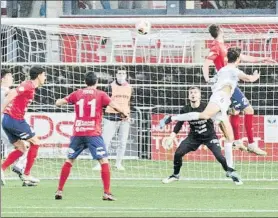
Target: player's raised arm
(251, 59)
(249, 78)
(10, 96)
(205, 68)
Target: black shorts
(192, 143)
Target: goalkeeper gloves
(167, 142)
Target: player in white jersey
(6, 83)
(219, 102)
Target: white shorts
(223, 101)
(6, 146)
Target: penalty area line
(133, 209)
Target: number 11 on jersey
(82, 107)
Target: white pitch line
(242, 187)
(134, 209)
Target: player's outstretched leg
(163, 122)
(65, 171)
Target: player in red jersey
(217, 55)
(16, 128)
(88, 105)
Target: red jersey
(218, 54)
(88, 106)
(25, 95)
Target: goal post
(161, 67)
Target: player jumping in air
(220, 101)
(217, 55)
(88, 103)
(15, 126)
(6, 83)
(201, 132)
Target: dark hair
(194, 87)
(121, 68)
(4, 72)
(90, 78)
(214, 30)
(35, 72)
(233, 54)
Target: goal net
(161, 66)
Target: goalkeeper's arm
(169, 140)
(177, 127)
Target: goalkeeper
(201, 132)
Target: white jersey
(227, 76)
(4, 139)
(4, 91)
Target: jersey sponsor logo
(121, 96)
(80, 123)
(198, 122)
(84, 129)
(201, 130)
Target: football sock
(31, 156)
(228, 148)
(65, 171)
(105, 176)
(177, 164)
(12, 157)
(234, 119)
(248, 121)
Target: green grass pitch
(144, 198)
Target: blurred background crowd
(43, 8)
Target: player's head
(91, 79)
(215, 31)
(233, 55)
(194, 94)
(6, 77)
(121, 75)
(38, 74)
